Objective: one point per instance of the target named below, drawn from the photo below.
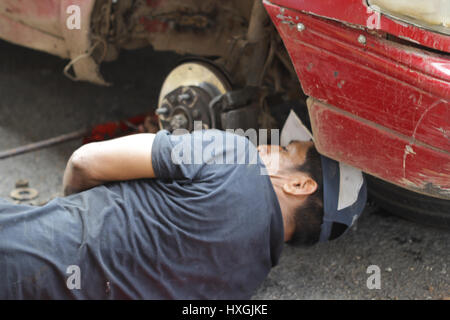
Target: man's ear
(300, 186)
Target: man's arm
(120, 159)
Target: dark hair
(309, 216)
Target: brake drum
(186, 94)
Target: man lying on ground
(144, 219)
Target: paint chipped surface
(356, 14)
(379, 151)
(400, 87)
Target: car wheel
(409, 205)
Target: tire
(409, 205)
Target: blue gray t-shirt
(209, 227)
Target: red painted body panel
(380, 152)
(357, 12)
(400, 90)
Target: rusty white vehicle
(373, 75)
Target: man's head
(296, 174)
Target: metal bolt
(300, 27)
(362, 39)
(162, 111)
(184, 96)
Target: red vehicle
(374, 75)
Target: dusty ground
(38, 102)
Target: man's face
(280, 160)
(292, 186)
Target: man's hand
(120, 159)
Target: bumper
(377, 104)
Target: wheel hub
(186, 94)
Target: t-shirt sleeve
(196, 156)
(164, 166)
